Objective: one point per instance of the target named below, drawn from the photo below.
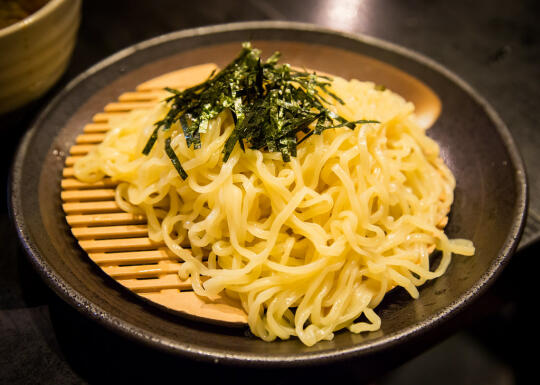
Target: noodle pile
(309, 246)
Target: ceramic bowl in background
(35, 51)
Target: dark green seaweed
(271, 104)
(174, 159)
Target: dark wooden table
(493, 45)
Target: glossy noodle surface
(301, 248)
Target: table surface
(492, 45)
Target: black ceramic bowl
(490, 198)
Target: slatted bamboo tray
(118, 241)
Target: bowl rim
(46, 9)
(62, 288)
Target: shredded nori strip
(174, 159)
(151, 141)
(271, 104)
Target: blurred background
(492, 45)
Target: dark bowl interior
(490, 198)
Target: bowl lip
(46, 9)
(62, 288)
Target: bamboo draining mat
(117, 241)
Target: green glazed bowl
(35, 51)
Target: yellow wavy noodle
(310, 246)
